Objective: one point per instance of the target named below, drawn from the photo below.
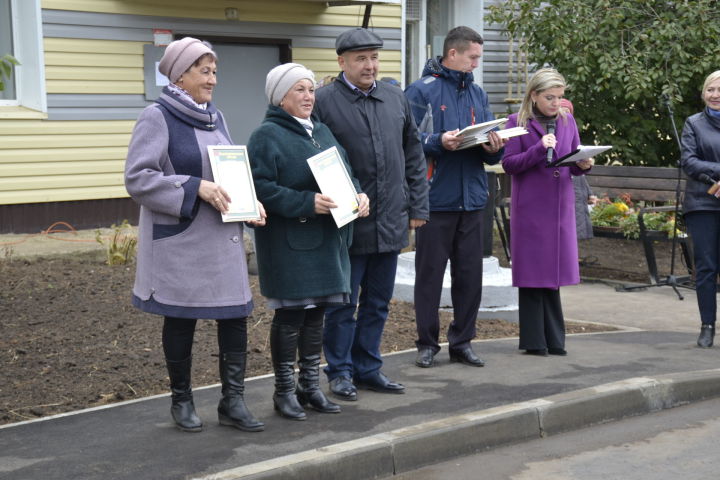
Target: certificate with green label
(231, 170)
(334, 181)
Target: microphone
(714, 189)
(550, 130)
(706, 179)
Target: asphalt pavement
(450, 410)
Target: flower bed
(620, 216)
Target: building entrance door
(240, 93)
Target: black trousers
(541, 319)
(704, 230)
(458, 237)
(178, 334)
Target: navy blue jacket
(700, 154)
(458, 182)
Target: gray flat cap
(357, 39)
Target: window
(6, 46)
(21, 36)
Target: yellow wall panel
(61, 181)
(62, 195)
(94, 73)
(60, 168)
(93, 59)
(100, 87)
(23, 127)
(27, 155)
(60, 141)
(82, 45)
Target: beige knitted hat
(181, 54)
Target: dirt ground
(69, 338)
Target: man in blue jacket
(458, 193)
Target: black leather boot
(308, 388)
(232, 410)
(707, 335)
(183, 408)
(283, 345)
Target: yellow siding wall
(42, 161)
(49, 161)
(93, 66)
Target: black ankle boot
(283, 345)
(183, 408)
(232, 410)
(308, 388)
(707, 335)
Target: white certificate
(581, 153)
(334, 181)
(231, 170)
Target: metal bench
(657, 189)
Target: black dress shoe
(707, 335)
(539, 352)
(466, 356)
(557, 351)
(425, 357)
(343, 388)
(378, 382)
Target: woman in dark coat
(190, 264)
(302, 255)
(701, 162)
(542, 215)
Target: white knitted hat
(281, 79)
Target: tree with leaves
(625, 62)
(6, 64)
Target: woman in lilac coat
(190, 263)
(542, 215)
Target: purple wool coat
(542, 212)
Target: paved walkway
(448, 410)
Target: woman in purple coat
(542, 215)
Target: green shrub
(121, 246)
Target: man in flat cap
(458, 194)
(373, 122)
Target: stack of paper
(477, 134)
(478, 139)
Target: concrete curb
(408, 448)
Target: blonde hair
(542, 80)
(708, 80)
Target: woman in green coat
(302, 255)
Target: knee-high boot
(308, 387)
(183, 408)
(283, 345)
(232, 410)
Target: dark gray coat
(700, 154)
(379, 135)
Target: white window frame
(30, 89)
